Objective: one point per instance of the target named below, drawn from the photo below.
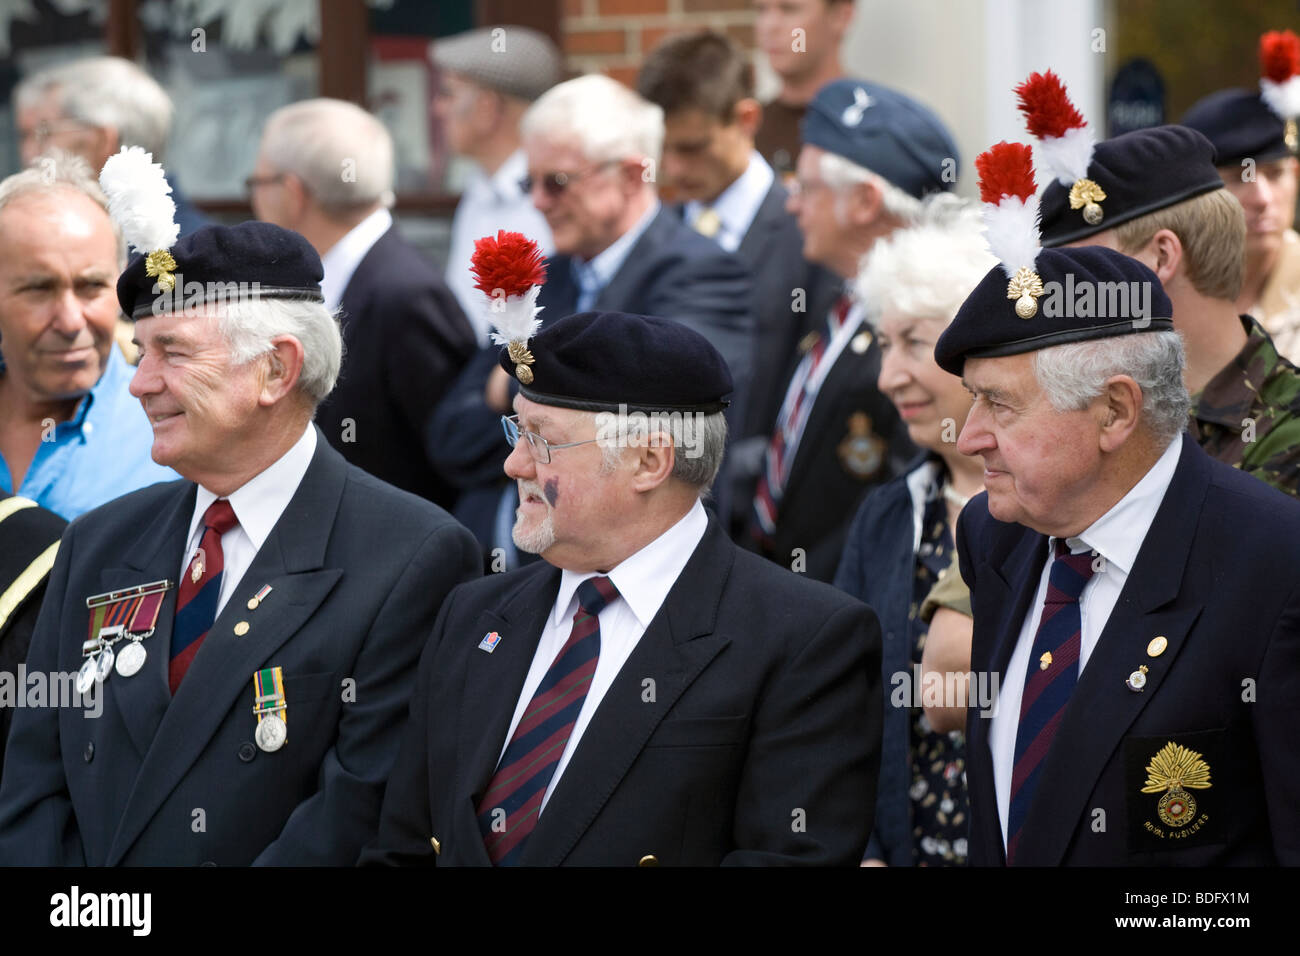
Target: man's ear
(864, 203)
(1122, 409)
(297, 197)
(1167, 250)
(748, 115)
(106, 143)
(282, 370)
(654, 457)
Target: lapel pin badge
(259, 597)
(1045, 661)
(1137, 680)
(1157, 646)
(489, 642)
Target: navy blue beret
(884, 131)
(1240, 125)
(1089, 293)
(597, 361)
(248, 261)
(1140, 172)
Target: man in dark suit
(617, 249)
(704, 84)
(870, 154)
(644, 694)
(1148, 661)
(405, 338)
(250, 634)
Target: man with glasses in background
(593, 149)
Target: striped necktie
(508, 810)
(1049, 680)
(200, 591)
(789, 428)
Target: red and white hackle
(1065, 140)
(1279, 86)
(510, 269)
(1008, 191)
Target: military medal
(270, 708)
(259, 597)
(130, 613)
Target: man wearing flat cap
(870, 158)
(648, 693)
(1255, 141)
(1148, 662)
(250, 632)
(487, 79)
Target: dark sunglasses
(554, 184)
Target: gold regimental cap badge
(1025, 287)
(1175, 770)
(1088, 196)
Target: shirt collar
(346, 254)
(597, 271)
(259, 502)
(1118, 534)
(737, 205)
(1231, 394)
(644, 579)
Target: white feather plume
(139, 200)
(1012, 233)
(1066, 157)
(515, 317)
(1282, 98)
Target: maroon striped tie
(509, 807)
(200, 591)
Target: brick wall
(613, 36)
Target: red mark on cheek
(552, 491)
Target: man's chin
(533, 537)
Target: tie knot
(595, 593)
(220, 516)
(1070, 572)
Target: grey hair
(343, 155)
(1072, 375)
(58, 171)
(702, 436)
(248, 325)
(106, 91)
(602, 117)
(841, 175)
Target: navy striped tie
(508, 809)
(1053, 671)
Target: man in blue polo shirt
(71, 437)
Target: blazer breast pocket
(698, 732)
(302, 688)
(1178, 790)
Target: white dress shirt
(258, 504)
(643, 582)
(487, 204)
(737, 205)
(346, 254)
(1117, 538)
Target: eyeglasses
(554, 184)
(43, 132)
(252, 182)
(541, 448)
(804, 187)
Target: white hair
(602, 117)
(704, 434)
(842, 174)
(926, 270)
(1072, 375)
(106, 91)
(58, 171)
(343, 155)
(248, 325)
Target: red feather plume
(1279, 55)
(1047, 107)
(511, 262)
(1006, 169)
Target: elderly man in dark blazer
(405, 338)
(1148, 659)
(648, 693)
(592, 148)
(248, 636)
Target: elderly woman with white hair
(901, 541)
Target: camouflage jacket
(1248, 415)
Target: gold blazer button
(648, 860)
